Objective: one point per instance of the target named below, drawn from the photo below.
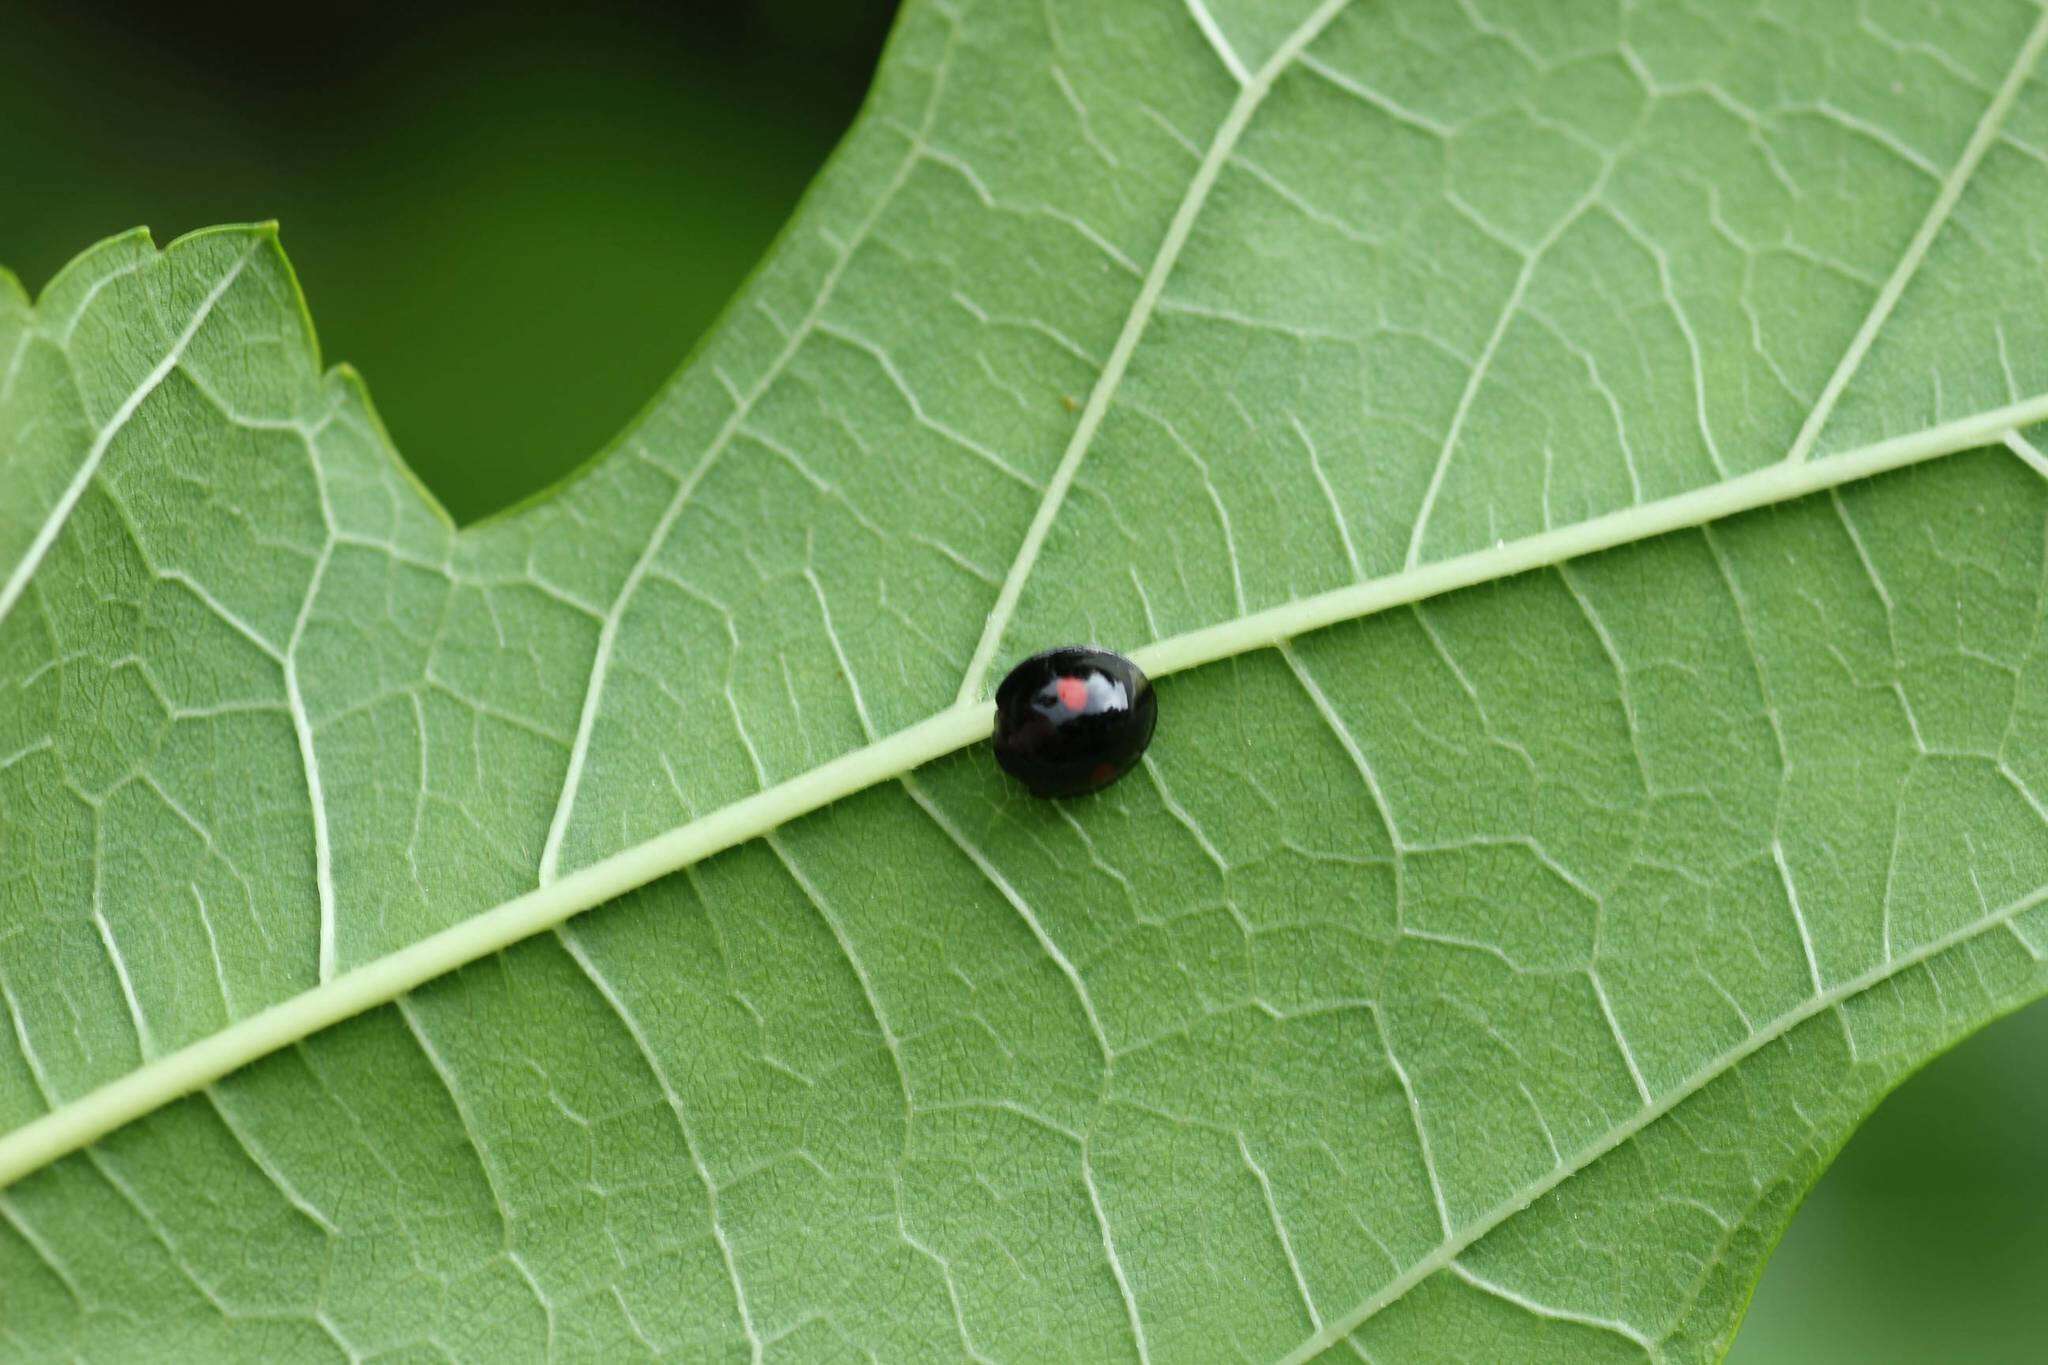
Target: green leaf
(1572, 459)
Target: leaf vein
(743, 406)
(1716, 1067)
(1981, 140)
(54, 522)
(71, 1125)
(1178, 231)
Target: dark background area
(516, 223)
(513, 222)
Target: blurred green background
(515, 225)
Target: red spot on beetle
(1072, 719)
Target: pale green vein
(78, 1122)
(1482, 368)
(742, 407)
(1170, 246)
(103, 439)
(72, 1125)
(651, 1058)
(1213, 32)
(1986, 133)
(1651, 1351)
(2028, 452)
(1446, 1252)
(1772, 484)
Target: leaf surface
(1485, 973)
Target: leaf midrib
(76, 1124)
